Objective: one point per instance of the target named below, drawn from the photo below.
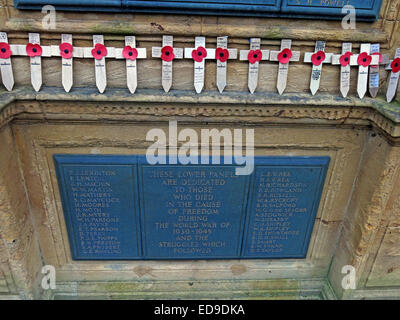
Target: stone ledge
(197, 289)
(290, 106)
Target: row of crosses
(368, 61)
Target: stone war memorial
(199, 149)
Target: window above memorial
(366, 10)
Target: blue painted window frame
(251, 8)
(363, 11)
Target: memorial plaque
(121, 207)
(284, 200)
(192, 211)
(98, 195)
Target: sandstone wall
(359, 217)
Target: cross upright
(374, 70)
(394, 67)
(5, 62)
(284, 57)
(317, 58)
(199, 54)
(67, 52)
(167, 53)
(254, 56)
(130, 53)
(99, 52)
(364, 60)
(222, 54)
(343, 59)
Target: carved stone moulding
(152, 105)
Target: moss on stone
(115, 28)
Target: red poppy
(364, 59)
(395, 65)
(99, 51)
(254, 56)
(199, 54)
(167, 53)
(285, 55)
(380, 58)
(66, 50)
(221, 54)
(317, 58)
(5, 51)
(345, 59)
(33, 50)
(130, 53)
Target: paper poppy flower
(199, 54)
(395, 65)
(254, 56)
(99, 51)
(129, 53)
(345, 59)
(364, 59)
(317, 58)
(285, 55)
(380, 58)
(5, 51)
(221, 54)
(66, 50)
(33, 50)
(167, 53)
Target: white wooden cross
(177, 53)
(353, 61)
(131, 70)
(35, 61)
(253, 56)
(317, 69)
(345, 70)
(394, 77)
(100, 64)
(198, 52)
(284, 67)
(374, 70)
(67, 68)
(222, 53)
(67, 63)
(362, 82)
(5, 64)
